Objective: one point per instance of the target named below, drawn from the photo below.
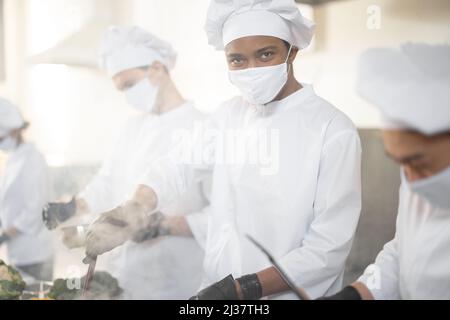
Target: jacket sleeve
(319, 262)
(198, 223)
(98, 194)
(34, 194)
(381, 277)
(191, 162)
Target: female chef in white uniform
(24, 190)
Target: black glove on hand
(222, 290)
(226, 289)
(348, 293)
(55, 213)
(250, 287)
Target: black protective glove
(348, 293)
(54, 214)
(3, 238)
(226, 289)
(223, 290)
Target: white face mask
(435, 189)
(260, 86)
(8, 144)
(142, 96)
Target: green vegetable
(61, 290)
(102, 286)
(11, 283)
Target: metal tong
(299, 292)
(88, 279)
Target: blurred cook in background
(139, 64)
(410, 86)
(24, 189)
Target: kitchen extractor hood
(79, 47)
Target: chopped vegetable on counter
(102, 287)
(11, 283)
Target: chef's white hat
(409, 85)
(228, 20)
(124, 48)
(10, 117)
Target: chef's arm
(248, 287)
(81, 205)
(315, 265)
(171, 225)
(10, 233)
(158, 224)
(166, 180)
(95, 198)
(266, 283)
(378, 282)
(34, 193)
(272, 283)
(177, 226)
(355, 291)
(190, 225)
(146, 197)
(363, 291)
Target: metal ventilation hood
(80, 48)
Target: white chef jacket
(416, 263)
(171, 267)
(24, 190)
(303, 203)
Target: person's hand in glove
(54, 214)
(131, 221)
(356, 291)
(154, 229)
(74, 237)
(3, 238)
(245, 288)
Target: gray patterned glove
(54, 214)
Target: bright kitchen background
(50, 63)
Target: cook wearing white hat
(139, 64)
(10, 119)
(303, 204)
(23, 192)
(231, 20)
(410, 87)
(124, 48)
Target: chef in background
(139, 64)
(24, 189)
(410, 86)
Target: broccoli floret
(11, 283)
(61, 291)
(102, 286)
